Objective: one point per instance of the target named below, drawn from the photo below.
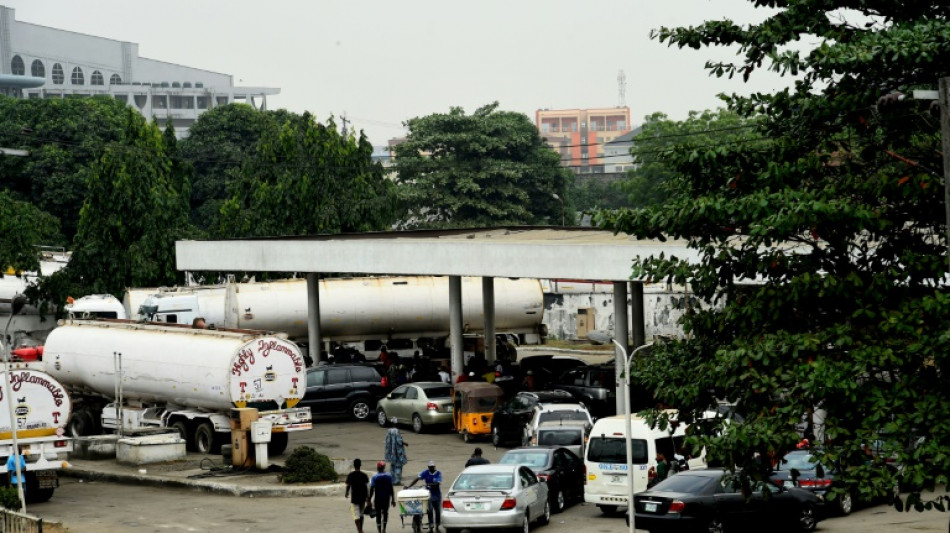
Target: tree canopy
(490, 168)
(821, 246)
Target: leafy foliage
(490, 168)
(23, 226)
(305, 465)
(305, 178)
(9, 497)
(820, 247)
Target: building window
(17, 68)
(140, 100)
(124, 98)
(58, 76)
(176, 85)
(159, 102)
(199, 85)
(115, 79)
(37, 69)
(182, 102)
(221, 100)
(77, 77)
(97, 78)
(186, 85)
(202, 102)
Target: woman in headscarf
(395, 454)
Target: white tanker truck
(170, 376)
(352, 310)
(41, 408)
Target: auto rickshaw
(473, 403)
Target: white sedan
(494, 496)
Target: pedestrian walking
(395, 454)
(444, 375)
(433, 481)
(383, 496)
(357, 490)
(476, 459)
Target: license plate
(649, 507)
(481, 506)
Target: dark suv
(596, 387)
(351, 389)
(508, 421)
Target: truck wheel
(80, 424)
(360, 409)
(39, 495)
(181, 426)
(278, 444)
(206, 440)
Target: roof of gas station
(514, 252)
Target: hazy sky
(383, 62)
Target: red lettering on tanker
(17, 379)
(265, 347)
(243, 362)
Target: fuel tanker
(173, 376)
(41, 408)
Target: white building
(73, 64)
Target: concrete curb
(207, 485)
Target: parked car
(351, 389)
(508, 421)
(596, 387)
(708, 500)
(569, 434)
(554, 412)
(547, 367)
(495, 496)
(422, 404)
(559, 467)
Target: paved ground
(106, 497)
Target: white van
(605, 459)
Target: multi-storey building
(579, 135)
(65, 64)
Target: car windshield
(686, 483)
(439, 392)
(798, 461)
(548, 416)
(560, 437)
(531, 459)
(614, 450)
(479, 481)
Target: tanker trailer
(149, 375)
(41, 408)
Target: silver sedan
(422, 404)
(494, 496)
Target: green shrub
(305, 465)
(9, 497)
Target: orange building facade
(578, 135)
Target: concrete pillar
(455, 325)
(488, 309)
(637, 314)
(314, 338)
(620, 335)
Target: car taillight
(676, 506)
(447, 504)
(780, 482)
(431, 406)
(384, 382)
(59, 444)
(814, 483)
(509, 503)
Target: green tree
(136, 208)
(820, 245)
(216, 146)
(490, 168)
(22, 228)
(305, 178)
(653, 180)
(64, 137)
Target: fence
(16, 522)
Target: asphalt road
(84, 506)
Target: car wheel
(607, 509)
(845, 503)
(806, 518)
(715, 526)
(557, 501)
(525, 523)
(467, 437)
(545, 514)
(360, 409)
(381, 418)
(417, 425)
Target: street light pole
(631, 512)
(558, 198)
(16, 305)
